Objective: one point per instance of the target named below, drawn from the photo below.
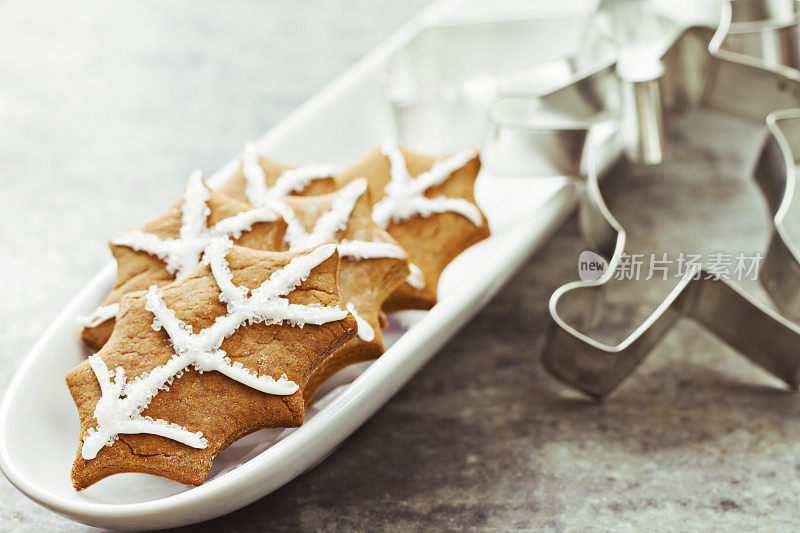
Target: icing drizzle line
(404, 196)
(416, 278)
(295, 179)
(122, 401)
(98, 316)
(365, 331)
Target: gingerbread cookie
(170, 246)
(427, 204)
(372, 266)
(258, 180)
(197, 364)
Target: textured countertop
(106, 107)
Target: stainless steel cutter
(746, 67)
(571, 96)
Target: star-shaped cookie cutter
(711, 69)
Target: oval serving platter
(38, 421)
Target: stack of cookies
(231, 309)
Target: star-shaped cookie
(427, 204)
(258, 179)
(171, 246)
(197, 364)
(372, 266)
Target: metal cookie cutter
(748, 68)
(603, 87)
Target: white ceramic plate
(38, 420)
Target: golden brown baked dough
(223, 409)
(431, 241)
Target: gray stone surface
(105, 108)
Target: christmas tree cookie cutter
(747, 67)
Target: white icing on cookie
(182, 255)
(365, 331)
(370, 250)
(404, 196)
(334, 220)
(416, 278)
(98, 316)
(292, 180)
(119, 410)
